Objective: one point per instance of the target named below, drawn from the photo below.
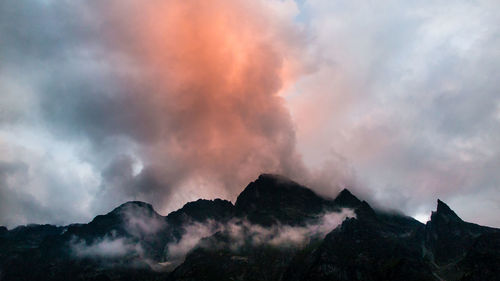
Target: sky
(168, 101)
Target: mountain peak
(130, 209)
(201, 210)
(442, 207)
(270, 185)
(346, 199)
(126, 210)
(444, 210)
(443, 216)
(274, 178)
(133, 205)
(345, 192)
(273, 197)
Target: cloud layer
(179, 101)
(240, 231)
(408, 95)
(169, 101)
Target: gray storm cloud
(101, 104)
(406, 93)
(151, 106)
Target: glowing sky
(168, 101)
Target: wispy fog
(241, 231)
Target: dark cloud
(102, 104)
(123, 180)
(155, 106)
(95, 106)
(407, 94)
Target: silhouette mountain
(216, 240)
(346, 199)
(449, 239)
(272, 199)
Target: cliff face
(277, 230)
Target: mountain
(278, 230)
(346, 199)
(449, 239)
(275, 199)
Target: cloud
(101, 104)
(240, 231)
(107, 247)
(24, 171)
(138, 241)
(176, 251)
(141, 220)
(213, 74)
(407, 95)
(180, 101)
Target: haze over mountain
(276, 230)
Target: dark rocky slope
(133, 242)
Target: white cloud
(407, 93)
(239, 231)
(107, 247)
(401, 98)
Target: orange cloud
(214, 71)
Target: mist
(241, 232)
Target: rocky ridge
(216, 240)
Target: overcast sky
(168, 101)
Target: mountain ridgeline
(277, 230)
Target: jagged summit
(444, 211)
(449, 236)
(269, 188)
(346, 199)
(273, 197)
